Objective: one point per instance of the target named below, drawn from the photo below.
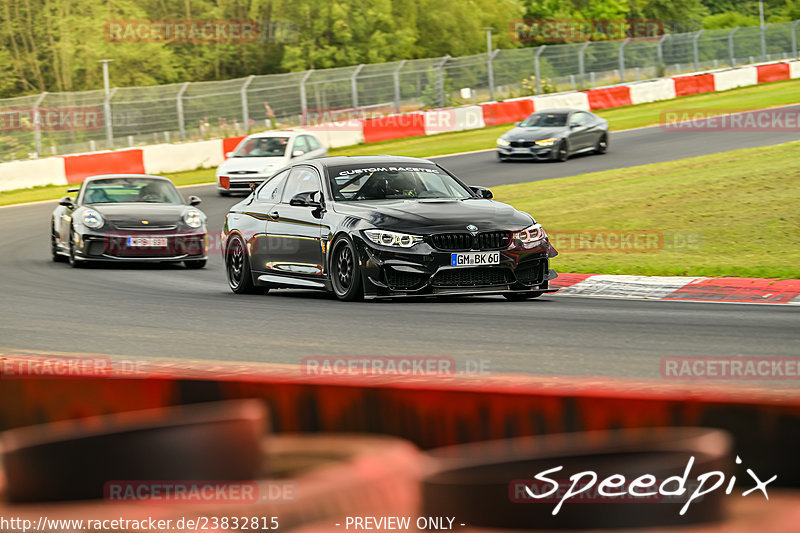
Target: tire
(345, 271)
(195, 263)
(73, 261)
(57, 257)
(562, 151)
(237, 268)
(602, 144)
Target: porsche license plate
(147, 242)
(475, 259)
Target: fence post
(109, 122)
(304, 97)
(731, 50)
(245, 110)
(396, 76)
(489, 67)
(794, 38)
(491, 73)
(622, 60)
(354, 85)
(536, 71)
(581, 69)
(660, 54)
(37, 125)
(696, 50)
(764, 41)
(181, 124)
(440, 68)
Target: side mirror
(306, 199)
(518, 123)
(67, 202)
(483, 192)
(195, 200)
(228, 155)
(297, 153)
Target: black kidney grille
(522, 144)
(461, 242)
(471, 277)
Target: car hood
(427, 216)
(257, 164)
(533, 134)
(132, 214)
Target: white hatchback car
(259, 156)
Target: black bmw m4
(382, 226)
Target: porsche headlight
(390, 238)
(546, 142)
(92, 219)
(503, 142)
(193, 218)
(529, 237)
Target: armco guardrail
(161, 158)
(61, 123)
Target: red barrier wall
(393, 127)
(230, 144)
(686, 85)
(776, 72)
(506, 112)
(79, 167)
(609, 97)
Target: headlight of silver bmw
(546, 142)
(193, 218)
(503, 142)
(530, 237)
(391, 238)
(92, 219)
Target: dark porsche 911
(128, 217)
(382, 226)
(554, 134)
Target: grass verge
(743, 99)
(728, 214)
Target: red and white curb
(747, 290)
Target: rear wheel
(237, 268)
(562, 151)
(602, 144)
(345, 271)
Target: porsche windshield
(390, 182)
(128, 190)
(545, 120)
(262, 147)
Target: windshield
(262, 147)
(352, 183)
(545, 120)
(128, 190)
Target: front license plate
(475, 259)
(520, 150)
(147, 242)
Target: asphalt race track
(167, 311)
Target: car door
(294, 233)
(253, 219)
(579, 135)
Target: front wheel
(237, 267)
(345, 271)
(562, 151)
(602, 144)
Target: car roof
(559, 110)
(276, 133)
(366, 160)
(109, 176)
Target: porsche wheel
(237, 268)
(345, 272)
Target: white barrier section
(652, 91)
(455, 119)
(32, 173)
(575, 100)
(162, 158)
(738, 77)
(794, 69)
(336, 134)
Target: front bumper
(426, 271)
(113, 246)
(541, 153)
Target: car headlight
(92, 219)
(529, 237)
(546, 142)
(390, 238)
(503, 142)
(193, 218)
